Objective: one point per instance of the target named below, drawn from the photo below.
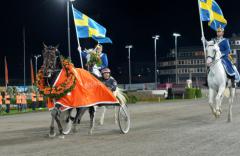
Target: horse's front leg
(78, 117)
(92, 111)
(210, 100)
(231, 99)
(219, 98)
(52, 132)
(56, 115)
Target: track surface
(179, 128)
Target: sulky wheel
(123, 119)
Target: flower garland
(61, 90)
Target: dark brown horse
(51, 69)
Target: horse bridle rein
(213, 58)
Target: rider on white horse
(225, 49)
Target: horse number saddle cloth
(88, 91)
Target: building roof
(191, 49)
(235, 37)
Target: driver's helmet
(105, 70)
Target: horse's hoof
(51, 135)
(116, 122)
(90, 132)
(217, 114)
(229, 121)
(61, 136)
(74, 129)
(68, 128)
(213, 111)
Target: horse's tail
(121, 96)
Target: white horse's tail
(121, 96)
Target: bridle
(53, 69)
(215, 61)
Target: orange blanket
(89, 91)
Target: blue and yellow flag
(210, 11)
(88, 28)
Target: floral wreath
(61, 90)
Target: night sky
(127, 22)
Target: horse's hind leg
(115, 114)
(78, 117)
(69, 115)
(83, 110)
(231, 99)
(103, 115)
(92, 119)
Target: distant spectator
(40, 101)
(34, 100)
(1, 102)
(19, 102)
(24, 102)
(7, 102)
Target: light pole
(129, 64)
(68, 28)
(155, 38)
(24, 58)
(176, 35)
(36, 60)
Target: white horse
(218, 81)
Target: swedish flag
(87, 27)
(210, 11)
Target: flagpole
(6, 73)
(80, 50)
(24, 57)
(202, 32)
(32, 81)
